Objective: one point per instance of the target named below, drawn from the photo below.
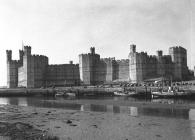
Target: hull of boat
(168, 94)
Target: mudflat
(36, 123)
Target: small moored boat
(60, 94)
(168, 94)
(120, 93)
(71, 94)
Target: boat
(132, 93)
(121, 93)
(71, 94)
(65, 94)
(168, 94)
(60, 94)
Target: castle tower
(160, 63)
(132, 64)
(12, 70)
(9, 59)
(88, 67)
(179, 58)
(27, 66)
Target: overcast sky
(62, 29)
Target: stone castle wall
(90, 67)
(64, 74)
(32, 72)
(94, 70)
(122, 73)
(143, 67)
(179, 58)
(35, 71)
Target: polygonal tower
(132, 64)
(179, 58)
(88, 67)
(12, 70)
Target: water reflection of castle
(169, 112)
(186, 116)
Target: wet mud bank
(31, 123)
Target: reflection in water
(22, 102)
(133, 111)
(98, 108)
(165, 112)
(116, 109)
(192, 118)
(4, 101)
(82, 108)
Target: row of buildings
(35, 71)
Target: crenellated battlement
(35, 56)
(61, 65)
(27, 50)
(132, 48)
(123, 61)
(108, 59)
(177, 49)
(9, 55)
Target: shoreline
(81, 90)
(141, 104)
(87, 125)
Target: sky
(63, 29)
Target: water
(88, 104)
(115, 105)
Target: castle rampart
(63, 74)
(143, 66)
(34, 70)
(94, 70)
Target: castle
(143, 66)
(94, 70)
(35, 71)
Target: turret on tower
(159, 53)
(27, 50)
(21, 53)
(132, 48)
(92, 50)
(9, 55)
